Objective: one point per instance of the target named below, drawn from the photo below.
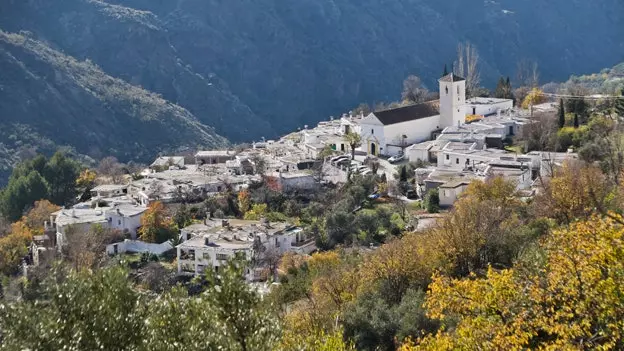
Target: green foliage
(21, 193)
(374, 324)
(571, 137)
(432, 201)
(562, 118)
(504, 89)
(103, 311)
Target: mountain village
(452, 141)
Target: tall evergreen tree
(403, 177)
(619, 105)
(561, 114)
(501, 88)
(508, 89)
(576, 120)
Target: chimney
(207, 241)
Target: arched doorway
(373, 149)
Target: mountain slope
(133, 45)
(48, 100)
(264, 67)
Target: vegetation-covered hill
(261, 68)
(48, 100)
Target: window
(372, 132)
(222, 257)
(456, 161)
(119, 222)
(458, 91)
(446, 88)
(448, 157)
(206, 256)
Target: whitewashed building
(210, 246)
(389, 131)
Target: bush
(432, 201)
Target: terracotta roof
(408, 113)
(451, 77)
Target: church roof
(451, 77)
(408, 113)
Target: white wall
(417, 154)
(452, 102)
(372, 131)
(138, 246)
(458, 160)
(448, 196)
(417, 131)
(122, 223)
(488, 109)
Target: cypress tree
(561, 114)
(403, 174)
(508, 89)
(619, 105)
(576, 120)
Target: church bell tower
(452, 100)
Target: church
(389, 131)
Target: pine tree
(576, 120)
(561, 114)
(445, 71)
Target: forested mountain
(261, 68)
(48, 100)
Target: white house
(386, 132)
(210, 246)
(123, 217)
(487, 106)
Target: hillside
(262, 68)
(49, 100)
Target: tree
(570, 298)
(403, 177)
(39, 214)
(467, 66)
(527, 73)
(576, 120)
(61, 173)
(87, 250)
(21, 193)
(244, 318)
(619, 105)
(413, 90)
(85, 183)
(155, 227)
(500, 88)
(535, 97)
(561, 114)
(102, 310)
(182, 216)
(244, 201)
(111, 168)
(14, 247)
(432, 201)
(354, 140)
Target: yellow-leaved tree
(573, 300)
(535, 97)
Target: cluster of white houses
(435, 132)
